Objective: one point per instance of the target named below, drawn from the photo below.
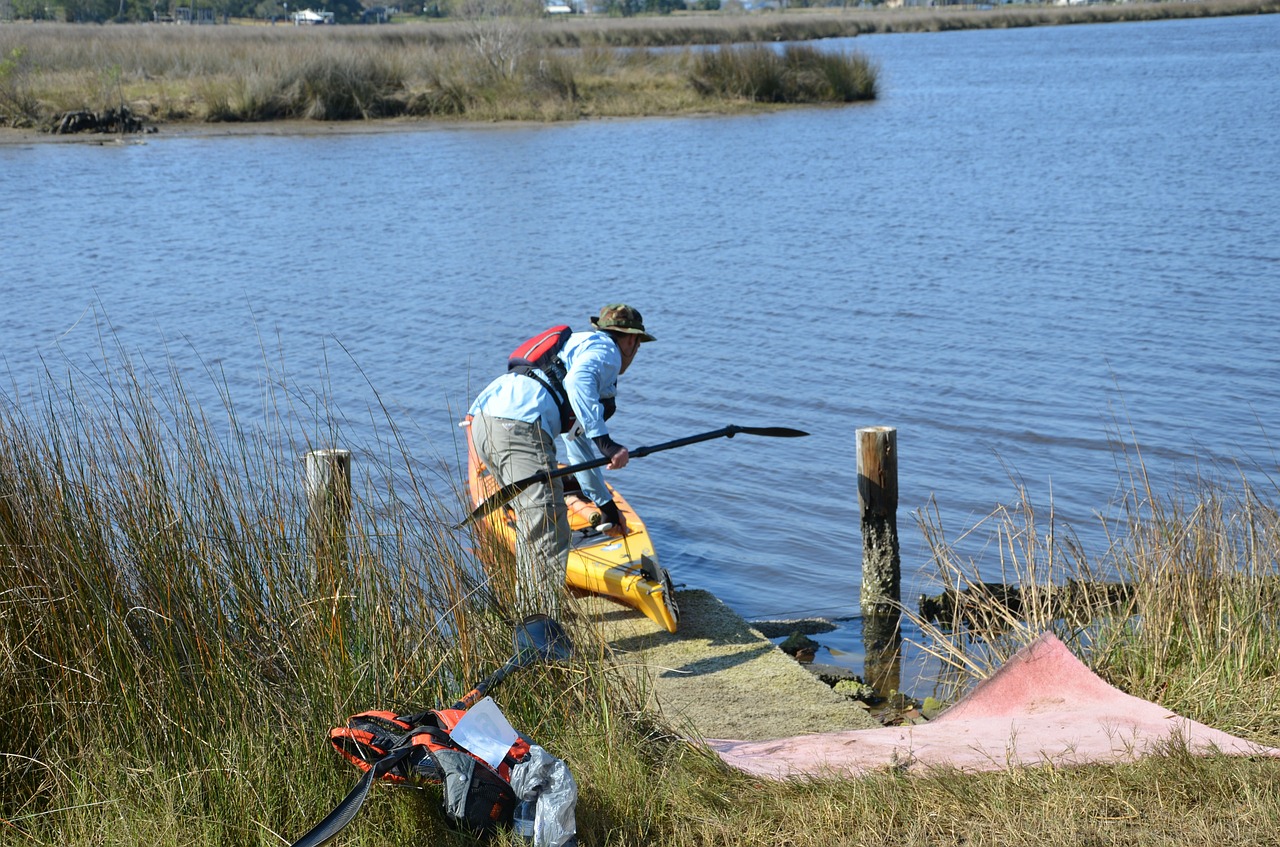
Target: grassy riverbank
(506, 69)
(173, 649)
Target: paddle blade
(542, 637)
(478, 512)
(772, 431)
(537, 638)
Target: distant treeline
(816, 22)
(371, 11)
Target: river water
(1036, 245)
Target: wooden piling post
(881, 651)
(328, 487)
(881, 565)
(878, 502)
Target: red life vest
(371, 735)
(539, 359)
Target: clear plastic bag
(546, 779)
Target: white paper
(485, 731)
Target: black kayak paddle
(508, 492)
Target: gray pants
(514, 450)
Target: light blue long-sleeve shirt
(592, 362)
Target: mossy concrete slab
(718, 677)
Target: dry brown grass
(179, 74)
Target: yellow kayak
(624, 568)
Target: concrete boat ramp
(718, 677)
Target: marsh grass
(1204, 565)
(172, 654)
(245, 74)
(1176, 799)
(16, 98)
(173, 650)
(799, 74)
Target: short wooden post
(328, 486)
(878, 503)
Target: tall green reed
(172, 649)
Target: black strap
(438, 734)
(555, 388)
(417, 720)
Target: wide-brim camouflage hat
(619, 317)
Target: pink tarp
(1043, 706)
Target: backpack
(539, 359)
(418, 749)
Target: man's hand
(613, 451)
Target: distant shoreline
(190, 117)
(10, 136)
